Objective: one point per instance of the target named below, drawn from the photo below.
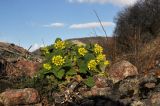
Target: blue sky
(32, 22)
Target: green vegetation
(65, 61)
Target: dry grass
(146, 56)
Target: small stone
(137, 103)
(155, 98)
(87, 94)
(150, 85)
(128, 86)
(59, 97)
(121, 70)
(100, 91)
(100, 81)
(157, 73)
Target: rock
(150, 85)
(13, 72)
(137, 103)
(127, 87)
(28, 67)
(157, 73)
(100, 91)
(155, 99)
(102, 87)
(19, 96)
(100, 81)
(121, 70)
(87, 93)
(38, 104)
(149, 78)
(99, 101)
(4, 84)
(21, 68)
(3, 64)
(8, 50)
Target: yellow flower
(104, 74)
(58, 60)
(47, 66)
(92, 65)
(82, 51)
(59, 44)
(98, 49)
(100, 57)
(106, 62)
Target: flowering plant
(66, 61)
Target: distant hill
(106, 43)
(11, 50)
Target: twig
(100, 23)
(30, 47)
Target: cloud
(35, 47)
(114, 2)
(54, 25)
(90, 25)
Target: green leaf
(89, 57)
(59, 73)
(57, 39)
(82, 66)
(89, 82)
(88, 46)
(68, 63)
(83, 70)
(71, 72)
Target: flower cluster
(98, 49)
(100, 58)
(47, 66)
(92, 65)
(66, 61)
(58, 60)
(82, 51)
(59, 44)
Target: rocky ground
(125, 86)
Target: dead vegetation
(146, 58)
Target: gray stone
(121, 70)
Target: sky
(39, 22)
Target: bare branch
(100, 23)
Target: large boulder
(121, 70)
(28, 67)
(19, 97)
(22, 68)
